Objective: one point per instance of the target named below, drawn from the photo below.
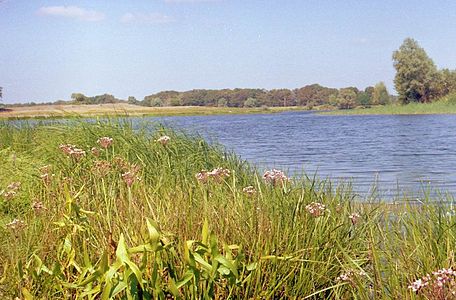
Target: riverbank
(447, 105)
(99, 209)
(122, 109)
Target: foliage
(346, 98)
(415, 73)
(380, 96)
(251, 102)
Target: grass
(122, 109)
(132, 221)
(446, 105)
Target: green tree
(415, 73)
(132, 100)
(1, 93)
(346, 98)
(222, 102)
(79, 98)
(251, 102)
(363, 99)
(380, 96)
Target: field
(119, 109)
(99, 211)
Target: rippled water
(400, 153)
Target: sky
(51, 49)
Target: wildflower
(95, 151)
(316, 209)
(38, 206)
(249, 190)
(275, 177)
(105, 142)
(11, 190)
(354, 218)
(46, 174)
(130, 176)
(16, 224)
(440, 285)
(121, 163)
(218, 174)
(101, 167)
(163, 140)
(350, 276)
(72, 151)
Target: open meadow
(99, 211)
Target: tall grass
(89, 233)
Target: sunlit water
(400, 154)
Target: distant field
(45, 111)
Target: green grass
(446, 105)
(169, 235)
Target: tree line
(309, 96)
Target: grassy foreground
(123, 109)
(137, 217)
(446, 105)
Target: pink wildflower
(11, 190)
(217, 174)
(16, 224)
(316, 209)
(440, 285)
(95, 151)
(354, 218)
(105, 142)
(130, 176)
(163, 140)
(101, 167)
(38, 206)
(249, 190)
(275, 177)
(72, 151)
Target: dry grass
(119, 109)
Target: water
(400, 154)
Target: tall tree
(380, 95)
(1, 93)
(415, 73)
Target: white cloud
(151, 18)
(73, 12)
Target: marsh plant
(99, 211)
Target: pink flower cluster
(249, 190)
(11, 190)
(105, 142)
(46, 174)
(275, 177)
(72, 151)
(440, 285)
(316, 209)
(163, 140)
(354, 218)
(38, 206)
(101, 167)
(131, 175)
(16, 224)
(350, 276)
(217, 174)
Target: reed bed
(101, 210)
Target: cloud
(190, 1)
(150, 18)
(72, 12)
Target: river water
(399, 154)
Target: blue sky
(50, 49)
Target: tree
(132, 100)
(251, 102)
(380, 95)
(346, 98)
(363, 99)
(1, 93)
(79, 98)
(415, 73)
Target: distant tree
(1, 93)
(251, 102)
(363, 99)
(132, 100)
(156, 102)
(222, 102)
(79, 98)
(380, 95)
(415, 73)
(346, 98)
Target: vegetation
(417, 78)
(99, 211)
(445, 105)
